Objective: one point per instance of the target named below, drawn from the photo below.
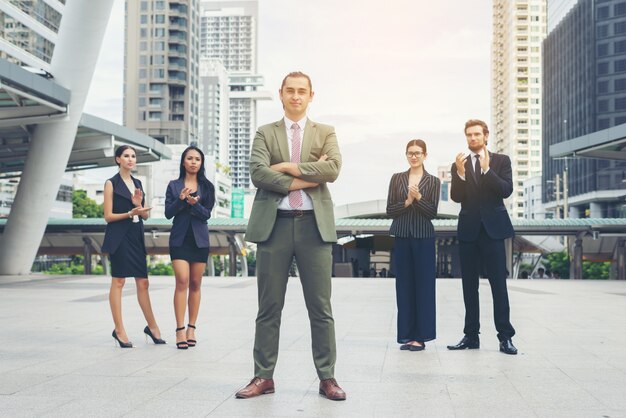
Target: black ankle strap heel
(191, 343)
(181, 345)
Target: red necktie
(295, 196)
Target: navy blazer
(122, 203)
(184, 214)
(482, 202)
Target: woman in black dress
(124, 242)
(189, 200)
(412, 203)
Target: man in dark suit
(292, 216)
(480, 183)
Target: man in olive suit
(292, 216)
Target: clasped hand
(414, 194)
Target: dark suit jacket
(122, 202)
(482, 202)
(270, 147)
(415, 220)
(185, 214)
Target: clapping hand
(484, 161)
(460, 164)
(137, 197)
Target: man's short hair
(297, 74)
(476, 122)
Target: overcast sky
(383, 73)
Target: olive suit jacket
(270, 147)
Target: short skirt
(189, 251)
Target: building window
(619, 9)
(620, 103)
(620, 65)
(603, 86)
(620, 84)
(603, 68)
(602, 31)
(603, 123)
(619, 47)
(620, 119)
(603, 12)
(603, 105)
(603, 50)
(619, 27)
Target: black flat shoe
(507, 347)
(155, 340)
(417, 347)
(405, 347)
(191, 343)
(120, 342)
(181, 345)
(466, 342)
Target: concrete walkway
(57, 357)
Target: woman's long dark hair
(201, 172)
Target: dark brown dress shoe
(331, 390)
(256, 387)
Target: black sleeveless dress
(124, 240)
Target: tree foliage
(84, 207)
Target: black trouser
(488, 256)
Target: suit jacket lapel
(307, 141)
(281, 138)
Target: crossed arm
(287, 176)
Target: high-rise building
(161, 67)
(229, 34)
(214, 109)
(584, 67)
(161, 80)
(557, 9)
(519, 27)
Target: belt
(293, 213)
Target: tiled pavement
(57, 357)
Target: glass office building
(584, 80)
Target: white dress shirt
(307, 203)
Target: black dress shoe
(466, 342)
(507, 347)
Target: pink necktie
(295, 196)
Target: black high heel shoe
(181, 345)
(191, 343)
(122, 343)
(155, 340)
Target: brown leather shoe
(331, 390)
(256, 387)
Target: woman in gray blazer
(189, 200)
(412, 203)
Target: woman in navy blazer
(124, 242)
(412, 203)
(189, 200)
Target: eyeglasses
(414, 154)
